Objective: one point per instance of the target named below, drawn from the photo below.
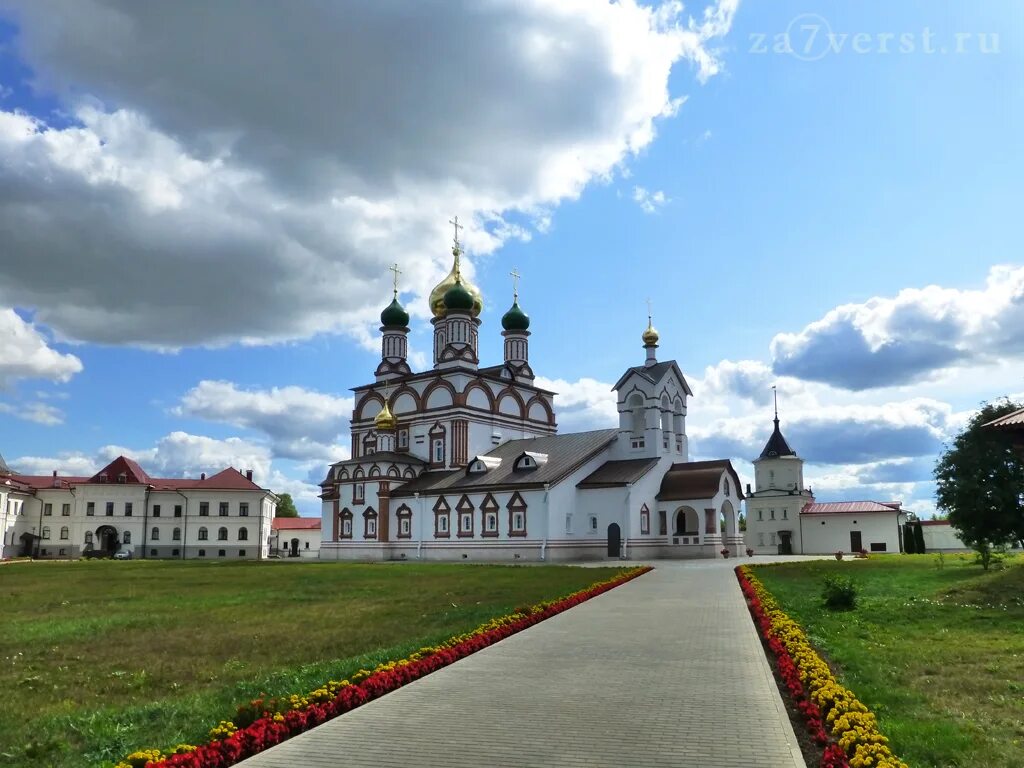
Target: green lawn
(936, 652)
(100, 658)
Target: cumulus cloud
(649, 202)
(40, 413)
(25, 352)
(177, 454)
(910, 337)
(234, 193)
(301, 424)
(582, 404)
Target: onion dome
(515, 319)
(385, 421)
(437, 306)
(458, 298)
(394, 315)
(650, 335)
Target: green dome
(394, 315)
(515, 319)
(458, 299)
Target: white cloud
(177, 454)
(25, 353)
(911, 337)
(300, 423)
(582, 404)
(649, 202)
(40, 413)
(232, 206)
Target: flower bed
(263, 723)
(839, 723)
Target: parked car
(123, 554)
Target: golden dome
(385, 420)
(650, 336)
(437, 295)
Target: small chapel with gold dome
(465, 462)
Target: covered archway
(686, 522)
(29, 545)
(294, 548)
(728, 522)
(107, 541)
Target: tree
(285, 506)
(980, 483)
(742, 523)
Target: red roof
(848, 508)
(296, 524)
(229, 479)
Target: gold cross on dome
(648, 311)
(515, 283)
(394, 268)
(455, 223)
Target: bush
(839, 593)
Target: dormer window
(529, 460)
(122, 478)
(481, 464)
(102, 477)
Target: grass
(935, 647)
(100, 658)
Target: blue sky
(198, 220)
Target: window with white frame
(65, 533)
(243, 509)
(645, 520)
(47, 509)
(203, 534)
(176, 534)
(154, 535)
(438, 450)
(222, 534)
(593, 523)
(403, 438)
(243, 534)
(405, 527)
(568, 523)
(127, 537)
(46, 532)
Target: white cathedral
(464, 462)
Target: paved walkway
(666, 670)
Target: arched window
(243, 534)
(88, 537)
(203, 534)
(636, 405)
(645, 520)
(127, 537)
(222, 534)
(154, 535)
(46, 531)
(346, 524)
(369, 523)
(176, 534)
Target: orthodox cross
(394, 268)
(648, 311)
(455, 223)
(515, 284)
(775, 394)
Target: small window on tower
(438, 450)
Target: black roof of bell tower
(776, 445)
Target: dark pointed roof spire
(776, 445)
(4, 469)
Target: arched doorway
(107, 542)
(614, 540)
(29, 545)
(686, 522)
(294, 548)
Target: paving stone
(664, 671)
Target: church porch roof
(654, 374)
(696, 480)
